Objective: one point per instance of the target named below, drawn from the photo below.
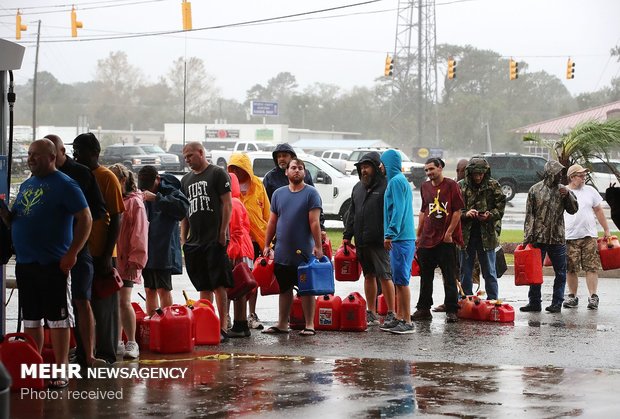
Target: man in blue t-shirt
(294, 220)
(47, 243)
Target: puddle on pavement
(219, 385)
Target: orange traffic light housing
(514, 69)
(75, 24)
(18, 25)
(451, 68)
(389, 66)
(186, 9)
(570, 69)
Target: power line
(67, 7)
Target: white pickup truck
(221, 155)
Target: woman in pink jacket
(132, 256)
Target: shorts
(82, 275)
(375, 261)
(286, 276)
(44, 293)
(208, 266)
(401, 258)
(157, 279)
(582, 254)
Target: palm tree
(588, 141)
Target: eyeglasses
(581, 175)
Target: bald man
(46, 243)
(460, 169)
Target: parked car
(130, 155)
(516, 173)
(407, 164)
(337, 158)
(601, 175)
(333, 186)
(169, 161)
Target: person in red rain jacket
(240, 250)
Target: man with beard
(294, 219)
(362, 223)
(544, 228)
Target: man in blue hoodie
(399, 238)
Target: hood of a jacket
(477, 165)
(371, 157)
(242, 161)
(284, 147)
(166, 180)
(392, 161)
(552, 168)
(235, 189)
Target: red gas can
(297, 320)
(547, 261)
(481, 309)
(172, 332)
(48, 352)
(609, 251)
(244, 282)
(415, 267)
(206, 327)
(327, 248)
(382, 308)
(143, 333)
(353, 313)
(528, 265)
(466, 307)
(501, 312)
(346, 266)
(263, 273)
(18, 349)
(327, 312)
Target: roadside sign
(261, 108)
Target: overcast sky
(344, 47)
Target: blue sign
(260, 108)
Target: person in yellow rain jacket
(254, 198)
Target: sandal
(307, 332)
(273, 330)
(58, 383)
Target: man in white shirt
(581, 235)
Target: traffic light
(18, 26)
(75, 24)
(451, 68)
(570, 69)
(389, 66)
(514, 69)
(186, 9)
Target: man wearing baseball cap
(581, 235)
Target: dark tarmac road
(542, 365)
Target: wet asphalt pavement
(542, 365)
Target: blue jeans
(487, 267)
(557, 254)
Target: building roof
(559, 126)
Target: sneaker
(440, 308)
(554, 308)
(131, 350)
(120, 348)
(241, 333)
(371, 318)
(451, 318)
(254, 322)
(402, 328)
(593, 302)
(389, 317)
(387, 326)
(421, 314)
(571, 301)
(530, 307)
(223, 336)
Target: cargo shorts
(582, 254)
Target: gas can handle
(609, 245)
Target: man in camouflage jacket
(544, 228)
(480, 223)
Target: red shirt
(438, 204)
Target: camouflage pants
(582, 254)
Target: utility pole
(34, 85)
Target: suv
(515, 172)
(407, 167)
(169, 161)
(333, 186)
(132, 156)
(602, 176)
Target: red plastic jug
(18, 349)
(327, 312)
(346, 266)
(244, 282)
(206, 326)
(297, 320)
(143, 333)
(466, 307)
(263, 273)
(609, 251)
(47, 352)
(415, 267)
(547, 261)
(327, 248)
(481, 310)
(353, 313)
(382, 308)
(501, 312)
(172, 332)
(528, 265)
